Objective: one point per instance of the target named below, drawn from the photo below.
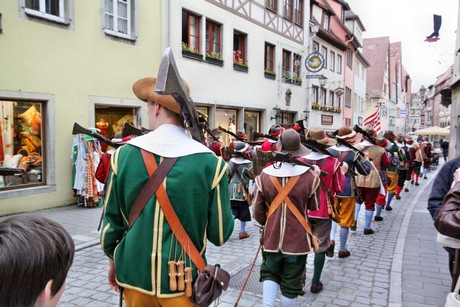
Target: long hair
(33, 251)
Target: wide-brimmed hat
(241, 135)
(370, 130)
(389, 135)
(215, 132)
(144, 89)
(320, 136)
(289, 141)
(349, 135)
(276, 130)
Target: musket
(345, 143)
(288, 158)
(366, 135)
(129, 130)
(237, 137)
(169, 82)
(77, 129)
(256, 135)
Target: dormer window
(326, 22)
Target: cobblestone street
(400, 265)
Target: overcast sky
(410, 21)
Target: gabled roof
(375, 51)
(362, 58)
(350, 15)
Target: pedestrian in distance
(346, 199)
(150, 258)
(319, 219)
(284, 192)
(445, 149)
(238, 173)
(36, 254)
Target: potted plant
(192, 53)
(297, 80)
(315, 105)
(323, 107)
(286, 76)
(269, 73)
(214, 58)
(239, 63)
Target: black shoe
(368, 231)
(412, 181)
(378, 218)
(316, 288)
(406, 190)
(398, 197)
(425, 177)
(353, 227)
(344, 254)
(388, 208)
(416, 184)
(330, 249)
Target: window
(314, 94)
(348, 122)
(213, 39)
(339, 64)
(298, 12)
(191, 31)
(22, 154)
(288, 9)
(324, 53)
(239, 47)
(348, 97)
(332, 60)
(54, 10)
(272, 5)
(251, 121)
(322, 96)
(269, 60)
(119, 18)
(315, 46)
(338, 100)
(227, 118)
(350, 58)
(326, 22)
(331, 98)
(297, 65)
(286, 64)
(286, 118)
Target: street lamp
(306, 113)
(276, 112)
(322, 80)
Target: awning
(433, 131)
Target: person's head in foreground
(35, 255)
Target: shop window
(251, 122)
(110, 120)
(191, 32)
(119, 18)
(226, 118)
(52, 10)
(21, 152)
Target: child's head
(35, 255)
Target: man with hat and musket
(284, 192)
(371, 186)
(346, 199)
(150, 258)
(319, 219)
(404, 165)
(214, 143)
(238, 173)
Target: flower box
(215, 61)
(192, 55)
(240, 67)
(270, 75)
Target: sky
(410, 22)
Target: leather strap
(276, 202)
(157, 175)
(243, 185)
(172, 219)
(300, 217)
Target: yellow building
(61, 62)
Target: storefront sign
(314, 62)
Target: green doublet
(197, 187)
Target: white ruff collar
(340, 148)
(239, 160)
(316, 156)
(169, 141)
(285, 170)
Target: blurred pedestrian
(445, 149)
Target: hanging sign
(314, 62)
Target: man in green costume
(197, 187)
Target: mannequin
(104, 127)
